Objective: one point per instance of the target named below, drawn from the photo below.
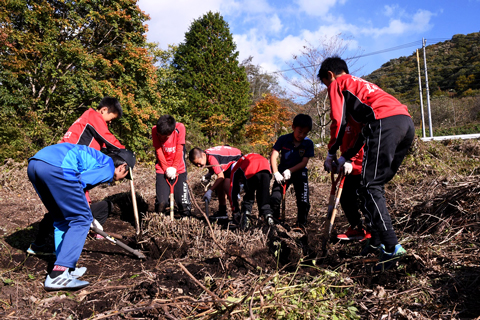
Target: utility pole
(421, 96)
(428, 91)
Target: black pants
(299, 180)
(386, 144)
(350, 201)
(259, 183)
(180, 193)
(100, 211)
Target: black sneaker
(219, 215)
(245, 222)
(42, 250)
(368, 248)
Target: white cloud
(389, 10)
(171, 19)
(419, 22)
(275, 23)
(317, 7)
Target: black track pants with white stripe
(386, 144)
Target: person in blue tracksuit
(61, 174)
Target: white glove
(347, 168)
(340, 164)
(287, 174)
(171, 172)
(278, 177)
(96, 224)
(328, 164)
(208, 195)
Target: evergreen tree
(209, 73)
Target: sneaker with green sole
(389, 259)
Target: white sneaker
(65, 281)
(78, 272)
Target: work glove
(278, 177)
(96, 224)
(171, 172)
(347, 168)
(208, 195)
(328, 165)
(287, 174)
(206, 178)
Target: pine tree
(209, 73)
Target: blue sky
(272, 31)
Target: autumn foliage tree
(59, 58)
(269, 119)
(208, 72)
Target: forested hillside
(454, 83)
(453, 66)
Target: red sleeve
(158, 149)
(211, 160)
(179, 147)
(181, 133)
(178, 155)
(337, 115)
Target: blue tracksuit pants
(65, 200)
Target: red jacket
(92, 131)
(170, 153)
(221, 158)
(245, 168)
(363, 101)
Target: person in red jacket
(349, 198)
(253, 171)
(219, 161)
(91, 130)
(169, 142)
(388, 133)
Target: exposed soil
(436, 218)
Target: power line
(403, 46)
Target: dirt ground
(190, 270)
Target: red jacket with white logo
(221, 158)
(170, 153)
(92, 131)
(362, 100)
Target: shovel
(172, 197)
(334, 201)
(118, 243)
(284, 190)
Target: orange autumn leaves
(269, 118)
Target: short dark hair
(117, 160)
(195, 153)
(334, 64)
(303, 121)
(165, 125)
(112, 105)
